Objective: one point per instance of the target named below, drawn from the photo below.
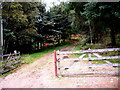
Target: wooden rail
(91, 73)
(10, 54)
(11, 63)
(90, 52)
(91, 65)
(94, 58)
(9, 60)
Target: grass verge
(98, 46)
(29, 58)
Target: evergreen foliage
(28, 27)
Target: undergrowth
(29, 58)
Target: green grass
(77, 48)
(97, 46)
(5, 74)
(113, 53)
(91, 46)
(114, 60)
(29, 58)
(98, 62)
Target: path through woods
(40, 74)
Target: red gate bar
(55, 63)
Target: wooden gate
(9, 62)
(62, 56)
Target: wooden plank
(12, 58)
(92, 65)
(89, 56)
(90, 61)
(107, 61)
(87, 73)
(12, 63)
(96, 54)
(5, 55)
(88, 51)
(74, 61)
(94, 58)
(8, 70)
(10, 54)
(103, 59)
(82, 55)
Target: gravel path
(40, 74)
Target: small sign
(46, 44)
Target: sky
(49, 3)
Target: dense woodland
(28, 27)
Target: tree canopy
(100, 16)
(28, 26)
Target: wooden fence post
(55, 63)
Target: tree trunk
(113, 40)
(90, 33)
(112, 33)
(58, 39)
(6, 48)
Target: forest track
(40, 74)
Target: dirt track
(40, 74)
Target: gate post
(55, 63)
